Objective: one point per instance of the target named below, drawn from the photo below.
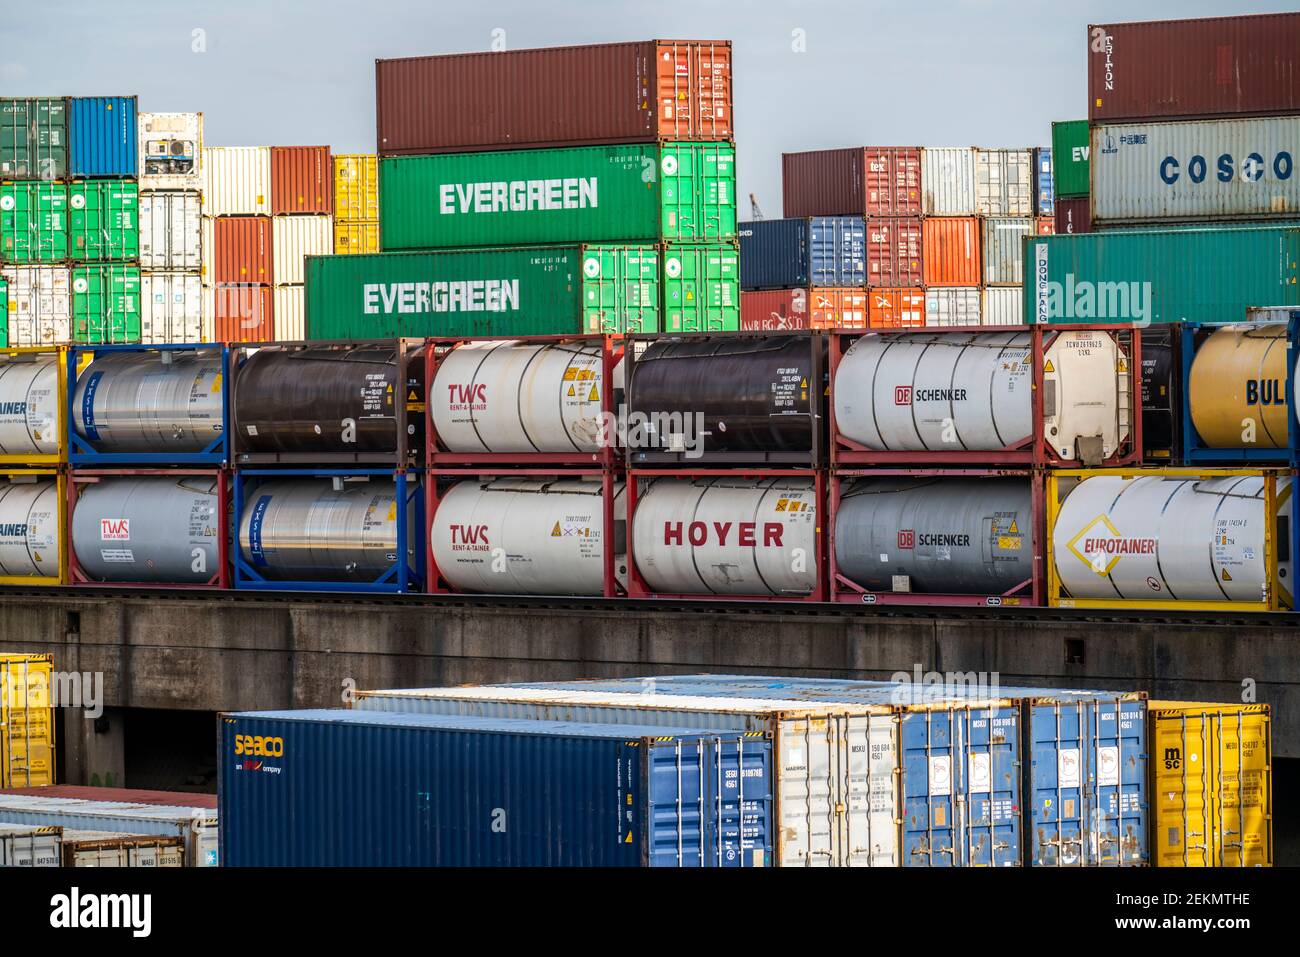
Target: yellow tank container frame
(29, 354)
(61, 496)
(1237, 384)
(354, 237)
(1211, 784)
(27, 745)
(356, 187)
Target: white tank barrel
(136, 528)
(150, 402)
(1183, 539)
(29, 527)
(527, 537)
(1237, 387)
(29, 406)
(727, 536)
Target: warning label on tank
(117, 554)
(789, 390)
(376, 394)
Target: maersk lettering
(939, 395)
(517, 196)
(471, 295)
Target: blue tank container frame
(1292, 357)
(85, 447)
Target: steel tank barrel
(1237, 384)
(527, 537)
(1182, 539)
(325, 400)
(946, 535)
(29, 528)
(150, 402)
(727, 536)
(722, 394)
(135, 528)
(305, 529)
(511, 396)
(29, 407)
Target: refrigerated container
(170, 150)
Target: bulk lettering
(259, 746)
(697, 533)
(517, 196)
(1253, 168)
(1264, 392)
(470, 295)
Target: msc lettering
(697, 533)
(518, 196)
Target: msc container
(1217, 66)
(1004, 251)
(949, 306)
(302, 180)
(27, 745)
(356, 187)
(1003, 306)
(951, 251)
(104, 220)
(196, 826)
(894, 252)
(517, 291)
(170, 148)
(1005, 183)
(1043, 182)
(1162, 404)
(84, 848)
(1235, 386)
(33, 222)
(32, 430)
(105, 304)
(784, 310)
(39, 305)
(1143, 275)
(821, 251)
(241, 250)
(33, 138)
(1072, 216)
(1211, 539)
(102, 136)
(1211, 784)
(1195, 171)
(895, 308)
(171, 308)
(639, 92)
(701, 289)
(171, 232)
(289, 321)
(27, 845)
(1070, 148)
(352, 237)
(861, 181)
(293, 239)
(680, 192)
(241, 313)
(236, 180)
(948, 181)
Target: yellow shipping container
(355, 237)
(1212, 784)
(356, 187)
(26, 721)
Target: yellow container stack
(356, 203)
(26, 721)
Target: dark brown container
(859, 181)
(241, 249)
(1219, 66)
(639, 92)
(1073, 216)
(302, 180)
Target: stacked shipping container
(171, 229)
(356, 203)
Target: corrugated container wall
(351, 237)
(171, 151)
(33, 138)
(26, 721)
(821, 251)
(356, 187)
(171, 231)
(40, 305)
(1005, 183)
(638, 92)
(33, 221)
(1195, 171)
(289, 322)
(948, 181)
(242, 313)
(952, 251)
(241, 250)
(196, 825)
(105, 304)
(1072, 216)
(774, 310)
(860, 181)
(701, 287)
(30, 845)
(236, 180)
(1004, 244)
(102, 136)
(103, 220)
(894, 252)
(293, 238)
(1070, 149)
(1003, 306)
(1043, 181)
(953, 306)
(302, 180)
(896, 308)
(171, 307)
(1218, 66)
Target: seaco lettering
(259, 746)
(1254, 168)
(746, 533)
(470, 295)
(517, 196)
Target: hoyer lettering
(746, 533)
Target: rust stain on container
(894, 253)
(302, 180)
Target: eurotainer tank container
(1070, 149)
(102, 136)
(33, 138)
(356, 788)
(27, 755)
(638, 92)
(861, 181)
(170, 149)
(302, 180)
(819, 251)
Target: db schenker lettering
(950, 539)
(939, 395)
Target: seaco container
(1144, 275)
(861, 181)
(102, 136)
(196, 825)
(33, 138)
(819, 251)
(1070, 168)
(538, 290)
(1195, 171)
(1217, 66)
(26, 717)
(103, 220)
(678, 191)
(639, 92)
(302, 180)
(359, 788)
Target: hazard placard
(1048, 367)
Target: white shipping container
(196, 825)
(296, 237)
(1004, 183)
(171, 237)
(236, 180)
(1198, 170)
(1004, 306)
(287, 313)
(171, 150)
(1004, 250)
(948, 180)
(29, 845)
(40, 305)
(952, 306)
(171, 308)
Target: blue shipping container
(102, 136)
(789, 253)
(1046, 189)
(363, 788)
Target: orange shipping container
(952, 251)
(243, 313)
(894, 308)
(302, 179)
(1046, 226)
(779, 310)
(241, 249)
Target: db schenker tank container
(34, 138)
(535, 290)
(356, 788)
(102, 136)
(1070, 149)
(639, 92)
(860, 181)
(818, 251)
(638, 191)
(1157, 276)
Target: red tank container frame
(1032, 451)
(1029, 593)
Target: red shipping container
(302, 180)
(860, 181)
(1046, 225)
(952, 251)
(894, 254)
(1073, 216)
(896, 308)
(241, 249)
(243, 313)
(639, 92)
(780, 310)
(1218, 66)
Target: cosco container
(105, 304)
(33, 222)
(356, 187)
(293, 239)
(302, 180)
(862, 181)
(171, 233)
(821, 251)
(33, 138)
(196, 826)
(679, 191)
(1004, 183)
(701, 288)
(951, 251)
(947, 306)
(28, 845)
(27, 748)
(103, 220)
(102, 136)
(236, 180)
(1070, 168)
(948, 181)
(1045, 192)
(40, 305)
(171, 308)
(894, 252)
(781, 310)
(170, 148)
(1004, 251)
(641, 92)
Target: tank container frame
(30, 354)
(64, 525)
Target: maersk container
(680, 192)
(33, 222)
(105, 304)
(819, 251)
(1172, 275)
(1195, 171)
(1046, 195)
(1005, 182)
(33, 138)
(355, 788)
(102, 136)
(171, 231)
(170, 149)
(103, 220)
(40, 305)
(30, 845)
(701, 288)
(531, 290)
(948, 181)
(196, 825)
(1070, 168)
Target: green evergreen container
(104, 220)
(1070, 159)
(33, 222)
(525, 291)
(33, 138)
(701, 287)
(105, 304)
(640, 192)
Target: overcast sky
(924, 72)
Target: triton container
(104, 220)
(302, 180)
(27, 729)
(861, 181)
(785, 310)
(170, 149)
(701, 288)
(33, 138)
(1236, 381)
(33, 549)
(821, 251)
(102, 136)
(33, 428)
(147, 405)
(642, 92)
(1070, 168)
(682, 192)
